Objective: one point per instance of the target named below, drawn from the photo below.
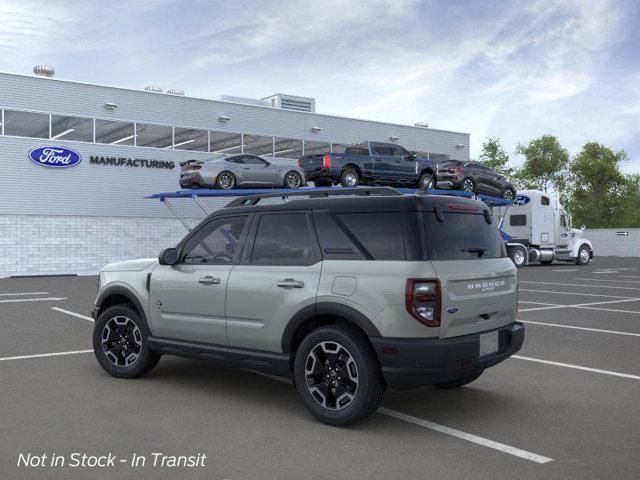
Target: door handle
(209, 280)
(290, 283)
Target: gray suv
(348, 294)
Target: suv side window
(218, 242)
(334, 242)
(283, 239)
(379, 232)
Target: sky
(514, 70)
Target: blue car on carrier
(370, 163)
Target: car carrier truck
(537, 229)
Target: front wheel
(337, 375)
(508, 194)
(426, 181)
(459, 382)
(583, 255)
(120, 343)
(292, 180)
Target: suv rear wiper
(479, 250)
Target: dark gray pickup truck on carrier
(370, 163)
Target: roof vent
(153, 88)
(422, 124)
(292, 102)
(175, 91)
(44, 71)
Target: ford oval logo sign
(521, 200)
(452, 309)
(56, 157)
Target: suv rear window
(459, 233)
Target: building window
(157, 136)
(224, 142)
(287, 148)
(190, 139)
(316, 148)
(258, 145)
(338, 147)
(114, 133)
(26, 124)
(72, 128)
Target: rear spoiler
(190, 162)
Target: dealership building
(127, 144)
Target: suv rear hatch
(478, 281)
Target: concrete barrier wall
(618, 242)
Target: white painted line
(40, 355)
(605, 272)
(485, 442)
(583, 305)
(540, 303)
(578, 285)
(45, 299)
(553, 307)
(604, 280)
(577, 293)
(577, 367)
(598, 330)
(566, 269)
(628, 276)
(617, 310)
(22, 293)
(73, 314)
(442, 429)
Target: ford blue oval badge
(56, 157)
(452, 309)
(521, 200)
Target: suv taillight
(422, 299)
(326, 160)
(299, 162)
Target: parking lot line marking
(40, 355)
(577, 293)
(540, 303)
(583, 305)
(577, 367)
(551, 307)
(606, 309)
(73, 314)
(44, 299)
(604, 280)
(22, 293)
(566, 269)
(485, 442)
(628, 276)
(578, 285)
(598, 330)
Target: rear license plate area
(489, 343)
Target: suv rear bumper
(412, 363)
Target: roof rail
(315, 193)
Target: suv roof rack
(316, 193)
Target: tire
(468, 185)
(360, 386)
(134, 339)
(584, 255)
(349, 178)
(518, 256)
(508, 194)
(426, 181)
(225, 180)
(459, 382)
(292, 180)
(322, 182)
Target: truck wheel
(518, 256)
(120, 343)
(426, 181)
(349, 178)
(468, 185)
(459, 382)
(583, 255)
(337, 375)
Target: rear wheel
(583, 255)
(120, 343)
(292, 180)
(468, 185)
(459, 382)
(349, 178)
(518, 256)
(337, 375)
(225, 181)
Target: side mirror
(169, 256)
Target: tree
(600, 194)
(545, 164)
(495, 157)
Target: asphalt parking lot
(565, 407)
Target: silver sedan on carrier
(230, 171)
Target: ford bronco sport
(348, 294)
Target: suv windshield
(462, 236)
